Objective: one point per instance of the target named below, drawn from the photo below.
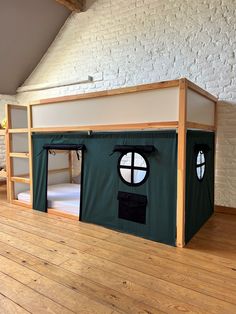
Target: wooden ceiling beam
(73, 5)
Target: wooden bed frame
(181, 124)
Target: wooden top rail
(126, 90)
(111, 127)
(112, 92)
(200, 91)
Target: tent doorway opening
(64, 181)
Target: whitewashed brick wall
(3, 100)
(2, 152)
(129, 42)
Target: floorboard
(52, 264)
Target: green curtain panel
(199, 190)
(105, 196)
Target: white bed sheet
(69, 206)
(64, 197)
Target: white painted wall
(124, 43)
(3, 100)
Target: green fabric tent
(105, 197)
(199, 193)
(101, 182)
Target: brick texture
(125, 43)
(3, 100)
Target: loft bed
(177, 112)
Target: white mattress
(64, 197)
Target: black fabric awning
(148, 149)
(204, 147)
(64, 147)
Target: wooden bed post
(215, 143)
(8, 159)
(181, 174)
(70, 156)
(29, 118)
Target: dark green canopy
(101, 182)
(149, 209)
(199, 193)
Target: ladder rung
(20, 180)
(19, 155)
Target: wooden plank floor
(56, 265)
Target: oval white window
(200, 165)
(133, 168)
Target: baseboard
(225, 210)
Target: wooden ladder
(18, 122)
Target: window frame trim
(200, 165)
(132, 168)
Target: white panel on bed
(76, 166)
(20, 166)
(19, 118)
(159, 105)
(19, 143)
(57, 178)
(58, 161)
(19, 188)
(200, 109)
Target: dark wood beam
(73, 5)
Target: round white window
(133, 168)
(200, 165)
